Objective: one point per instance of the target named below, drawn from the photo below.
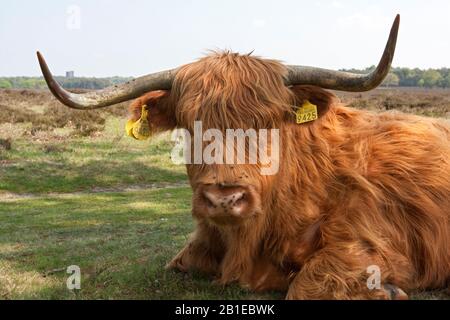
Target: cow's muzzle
(225, 204)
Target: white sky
(134, 37)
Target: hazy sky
(134, 37)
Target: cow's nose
(224, 200)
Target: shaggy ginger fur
(354, 188)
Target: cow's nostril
(208, 201)
(240, 200)
(213, 198)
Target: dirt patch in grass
(9, 196)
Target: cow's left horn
(108, 96)
(345, 81)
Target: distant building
(70, 74)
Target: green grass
(79, 164)
(121, 242)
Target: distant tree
(421, 83)
(408, 77)
(431, 78)
(5, 84)
(445, 82)
(392, 80)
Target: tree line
(68, 83)
(397, 77)
(406, 77)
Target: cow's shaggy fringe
(354, 189)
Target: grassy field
(117, 208)
(75, 191)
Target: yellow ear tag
(306, 113)
(129, 128)
(139, 129)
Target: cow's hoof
(394, 293)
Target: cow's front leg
(203, 252)
(265, 275)
(340, 274)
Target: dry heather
(426, 102)
(44, 112)
(38, 113)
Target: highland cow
(354, 189)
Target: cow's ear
(161, 116)
(315, 95)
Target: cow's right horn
(108, 96)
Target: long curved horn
(108, 96)
(345, 81)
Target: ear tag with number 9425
(306, 113)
